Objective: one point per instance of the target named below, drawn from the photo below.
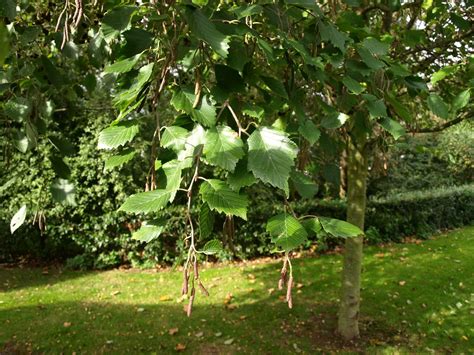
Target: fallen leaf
(173, 331)
(243, 317)
(115, 293)
(379, 255)
(199, 334)
(140, 309)
(251, 276)
(229, 341)
(402, 283)
(271, 290)
(228, 298)
(299, 285)
(67, 324)
(165, 298)
(180, 347)
(218, 334)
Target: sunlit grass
(416, 298)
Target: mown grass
(417, 297)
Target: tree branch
(441, 127)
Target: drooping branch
(445, 125)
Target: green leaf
(461, 100)
(307, 4)
(117, 20)
(377, 108)
(399, 108)
(123, 66)
(138, 40)
(241, 176)
(117, 135)
(183, 99)
(172, 170)
(253, 111)
(144, 202)
(303, 184)
(312, 226)
(438, 106)
(174, 137)
(18, 219)
(247, 10)
(271, 156)
(221, 198)
(330, 33)
(393, 127)
(119, 159)
(352, 85)
(309, 131)
(205, 112)
(286, 231)
(8, 9)
(18, 109)
(211, 247)
(275, 85)
(228, 79)
(369, 59)
(266, 49)
(4, 43)
(204, 29)
(63, 192)
(443, 73)
(334, 120)
(223, 147)
(193, 144)
(338, 228)
(375, 47)
(206, 221)
(149, 231)
(60, 168)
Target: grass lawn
(417, 297)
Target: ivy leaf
(117, 135)
(309, 131)
(393, 127)
(461, 100)
(303, 184)
(18, 219)
(271, 156)
(438, 106)
(338, 228)
(286, 231)
(174, 137)
(206, 221)
(149, 231)
(220, 197)
(119, 159)
(204, 29)
(211, 247)
(144, 202)
(223, 147)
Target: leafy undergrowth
(417, 297)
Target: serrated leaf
(375, 47)
(206, 221)
(218, 195)
(63, 192)
(205, 112)
(393, 127)
(253, 111)
(309, 131)
(461, 100)
(174, 137)
(194, 141)
(369, 59)
(312, 226)
(353, 85)
(119, 159)
(338, 228)
(276, 86)
(144, 202)
(204, 29)
(303, 184)
(223, 147)
(18, 219)
(117, 135)
(399, 108)
(18, 109)
(149, 231)
(286, 231)
(123, 66)
(60, 168)
(211, 247)
(117, 20)
(334, 120)
(241, 176)
(330, 33)
(172, 170)
(271, 156)
(377, 108)
(438, 106)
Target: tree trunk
(348, 323)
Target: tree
(243, 93)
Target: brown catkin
(184, 289)
(191, 301)
(196, 270)
(289, 287)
